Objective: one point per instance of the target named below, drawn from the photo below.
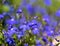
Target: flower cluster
(28, 24)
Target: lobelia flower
(35, 31)
(12, 31)
(25, 44)
(42, 10)
(45, 39)
(11, 9)
(11, 21)
(20, 34)
(30, 9)
(50, 33)
(19, 10)
(10, 42)
(24, 27)
(32, 22)
(51, 44)
(22, 19)
(57, 13)
(6, 2)
(5, 33)
(37, 25)
(9, 27)
(46, 18)
(49, 29)
(38, 43)
(1, 16)
(4, 13)
(34, 26)
(48, 2)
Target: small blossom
(25, 44)
(57, 13)
(48, 2)
(1, 16)
(35, 31)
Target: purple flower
(25, 44)
(38, 43)
(10, 41)
(35, 31)
(38, 25)
(49, 30)
(48, 2)
(11, 9)
(35, 26)
(45, 39)
(22, 21)
(9, 27)
(20, 34)
(46, 18)
(6, 2)
(32, 22)
(51, 44)
(12, 31)
(24, 27)
(42, 10)
(1, 16)
(5, 34)
(57, 13)
(46, 28)
(50, 33)
(30, 9)
(19, 11)
(11, 21)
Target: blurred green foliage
(55, 5)
(5, 8)
(15, 3)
